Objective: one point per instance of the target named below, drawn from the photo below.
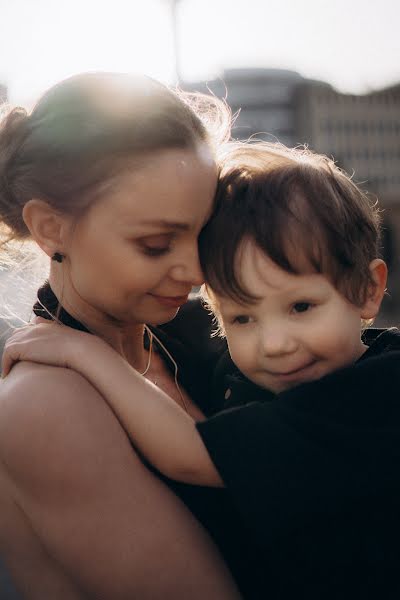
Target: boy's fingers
(10, 356)
(37, 320)
(6, 364)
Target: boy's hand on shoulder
(48, 343)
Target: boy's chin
(279, 388)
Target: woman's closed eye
(156, 251)
(156, 245)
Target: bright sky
(353, 44)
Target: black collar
(48, 307)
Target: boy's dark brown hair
(300, 209)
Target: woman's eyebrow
(165, 224)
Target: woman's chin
(163, 316)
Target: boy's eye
(301, 307)
(241, 319)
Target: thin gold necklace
(151, 337)
(150, 334)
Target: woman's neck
(126, 339)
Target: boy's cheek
(240, 350)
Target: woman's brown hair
(85, 129)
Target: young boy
(298, 279)
(309, 442)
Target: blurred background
(321, 72)
(318, 72)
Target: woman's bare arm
(114, 528)
(164, 433)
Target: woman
(113, 177)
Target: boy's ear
(376, 292)
(46, 225)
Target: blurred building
(262, 99)
(361, 132)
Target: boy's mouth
(294, 373)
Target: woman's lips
(171, 301)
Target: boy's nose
(276, 341)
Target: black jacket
(314, 472)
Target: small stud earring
(58, 257)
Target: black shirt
(314, 472)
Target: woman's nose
(188, 269)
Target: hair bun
(12, 126)
(13, 131)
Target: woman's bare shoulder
(51, 420)
(35, 387)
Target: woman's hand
(45, 342)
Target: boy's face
(299, 330)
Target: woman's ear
(376, 290)
(47, 226)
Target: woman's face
(133, 256)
